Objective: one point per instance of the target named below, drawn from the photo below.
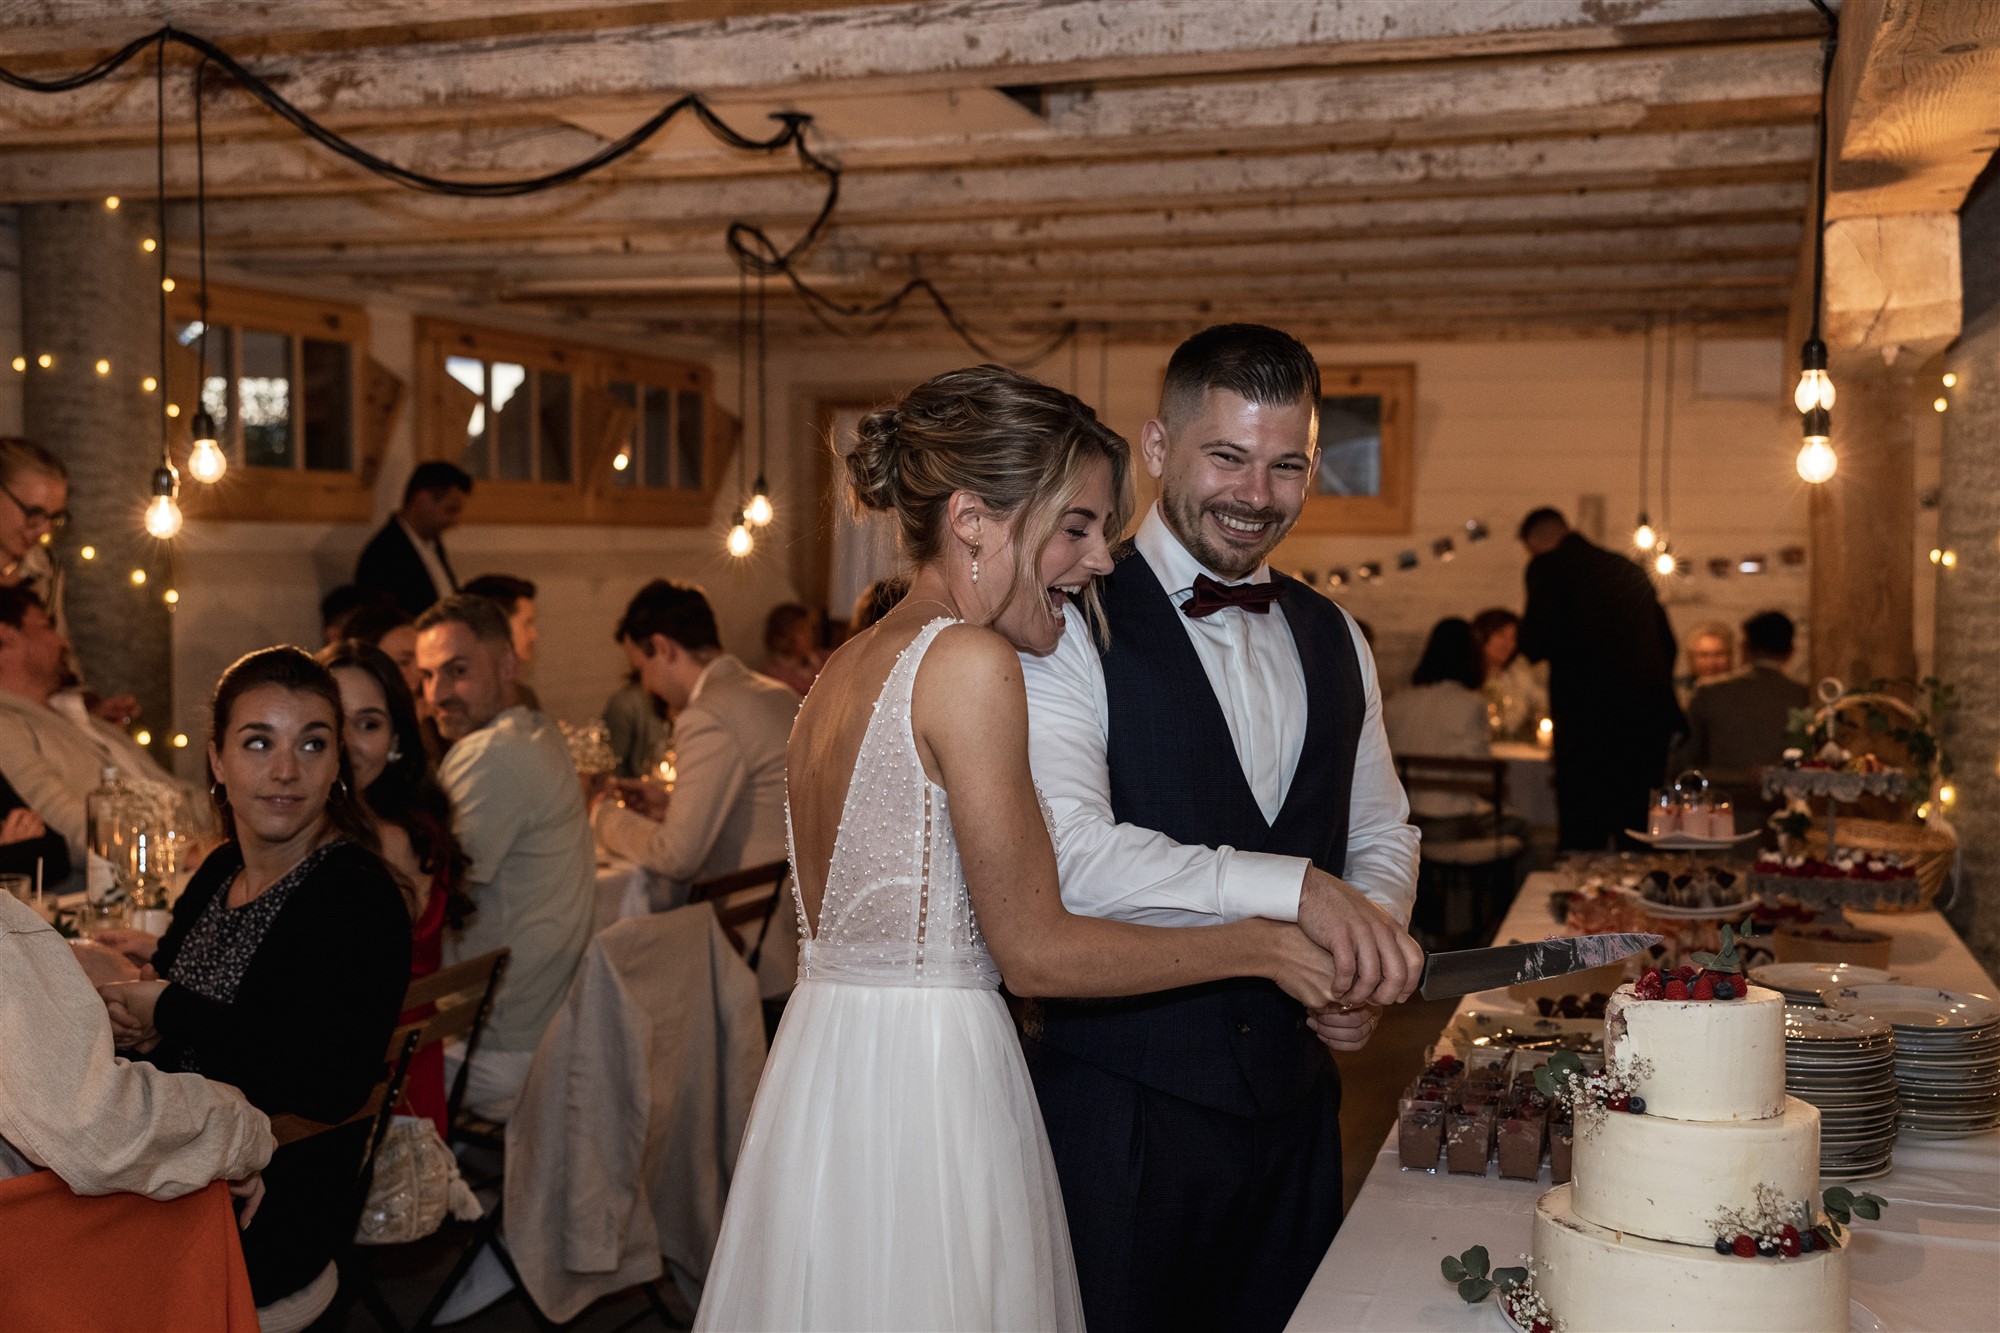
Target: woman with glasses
(34, 507)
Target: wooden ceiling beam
(1591, 93)
(1653, 161)
(1567, 214)
(900, 47)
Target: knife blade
(1468, 970)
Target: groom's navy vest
(1238, 1046)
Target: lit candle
(1545, 731)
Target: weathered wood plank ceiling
(1358, 169)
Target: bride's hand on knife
(1375, 960)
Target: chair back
(288, 1128)
(1482, 777)
(461, 997)
(742, 897)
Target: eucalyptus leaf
(1475, 1289)
(1838, 1196)
(1509, 1278)
(1453, 1270)
(1867, 1208)
(1476, 1261)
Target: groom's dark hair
(1253, 361)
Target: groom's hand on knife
(1374, 959)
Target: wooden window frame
(285, 494)
(1390, 511)
(598, 418)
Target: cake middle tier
(1672, 1179)
(1707, 1059)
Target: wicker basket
(1929, 851)
(1850, 713)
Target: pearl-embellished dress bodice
(895, 911)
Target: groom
(1223, 757)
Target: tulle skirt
(895, 1175)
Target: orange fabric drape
(121, 1263)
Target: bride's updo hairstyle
(1020, 445)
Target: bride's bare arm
(970, 716)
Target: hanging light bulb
(1817, 461)
(740, 541)
(1664, 563)
(163, 515)
(1643, 536)
(758, 511)
(206, 461)
(1815, 388)
(621, 460)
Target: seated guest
(1737, 725)
(341, 605)
(875, 601)
(52, 760)
(518, 813)
(1516, 690)
(791, 645)
(103, 1124)
(1443, 714)
(730, 729)
(637, 727)
(405, 560)
(388, 627)
(26, 845)
(1711, 653)
(286, 962)
(517, 598)
(411, 817)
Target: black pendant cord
(160, 182)
(749, 245)
(742, 377)
(763, 398)
(1645, 417)
(201, 247)
(1821, 169)
(1667, 429)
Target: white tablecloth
(1931, 1263)
(1531, 781)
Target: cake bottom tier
(1599, 1281)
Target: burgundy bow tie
(1210, 597)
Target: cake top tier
(1704, 1059)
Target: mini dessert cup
(1419, 1133)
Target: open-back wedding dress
(895, 1174)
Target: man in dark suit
(1593, 617)
(1737, 725)
(406, 559)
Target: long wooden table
(1931, 1263)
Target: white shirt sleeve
(1122, 871)
(1381, 842)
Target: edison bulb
(740, 541)
(621, 460)
(163, 518)
(1645, 538)
(1817, 461)
(207, 462)
(1663, 563)
(758, 512)
(1815, 390)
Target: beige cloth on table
(102, 1123)
(622, 1146)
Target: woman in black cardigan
(284, 969)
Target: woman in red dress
(412, 818)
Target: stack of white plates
(1802, 983)
(1845, 1064)
(1947, 1055)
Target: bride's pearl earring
(975, 562)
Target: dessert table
(1931, 1263)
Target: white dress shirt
(1130, 873)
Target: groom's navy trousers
(1197, 1131)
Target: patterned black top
(224, 939)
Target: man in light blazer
(727, 811)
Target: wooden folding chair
(736, 906)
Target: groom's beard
(1231, 562)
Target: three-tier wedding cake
(1694, 1198)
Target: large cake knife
(1469, 970)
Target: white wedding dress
(895, 1174)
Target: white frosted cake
(1688, 1153)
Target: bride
(895, 1173)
